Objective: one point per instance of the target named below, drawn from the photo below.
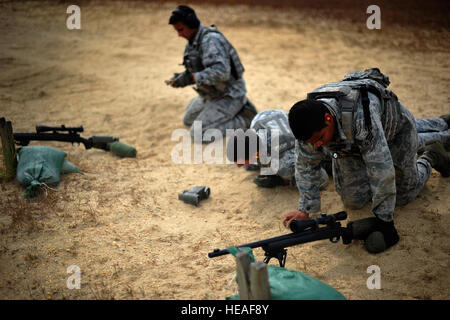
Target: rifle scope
(328, 219)
(43, 128)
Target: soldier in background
(373, 140)
(263, 125)
(213, 66)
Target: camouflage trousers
(221, 114)
(432, 129)
(411, 174)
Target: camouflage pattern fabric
(432, 129)
(275, 120)
(268, 121)
(287, 170)
(278, 120)
(382, 166)
(215, 114)
(217, 71)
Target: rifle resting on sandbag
(46, 133)
(71, 134)
(303, 231)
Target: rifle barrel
(25, 138)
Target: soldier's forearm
(181, 80)
(308, 184)
(213, 74)
(381, 173)
(209, 77)
(309, 204)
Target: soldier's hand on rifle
(294, 215)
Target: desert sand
(121, 222)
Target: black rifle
(46, 133)
(303, 231)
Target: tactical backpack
(347, 92)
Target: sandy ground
(121, 222)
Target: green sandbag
(288, 284)
(69, 167)
(38, 165)
(122, 150)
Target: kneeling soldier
(373, 140)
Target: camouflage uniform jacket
(270, 120)
(371, 146)
(215, 65)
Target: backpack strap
(347, 111)
(335, 94)
(365, 103)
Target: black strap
(315, 95)
(366, 102)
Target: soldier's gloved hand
(361, 228)
(180, 80)
(384, 236)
